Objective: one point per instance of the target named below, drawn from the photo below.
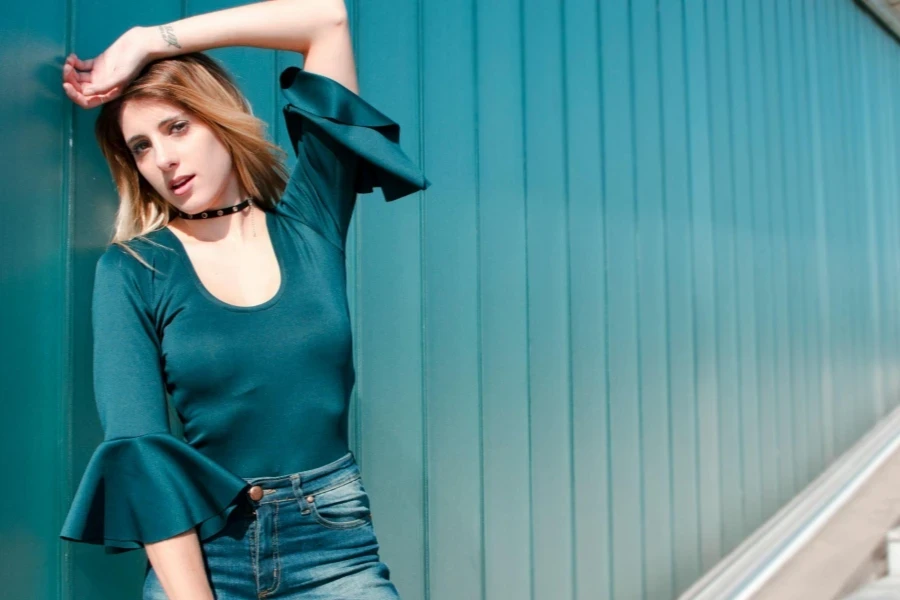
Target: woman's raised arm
(276, 24)
(315, 28)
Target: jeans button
(255, 493)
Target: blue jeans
(309, 537)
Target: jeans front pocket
(344, 506)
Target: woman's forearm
(178, 564)
(276, 24)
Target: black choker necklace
(216, 212)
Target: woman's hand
(89, 83)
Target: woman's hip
(304, 535)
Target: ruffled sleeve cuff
(355, 124)
(147, 489)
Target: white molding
(746, 569)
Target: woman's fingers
(115, 92)
(70, 81)
(77, 83)
(68, 73)
(79, 98)
(92, 82)
(90, 100)
(75, 96)
(84, 65)
(74, 77)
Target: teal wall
(650, 296)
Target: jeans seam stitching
(280, 501)
(351, 479)
(276, 574)
(254, 549)
(335, 524)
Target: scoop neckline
(275, 240)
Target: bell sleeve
(344, 146)
(142, 484)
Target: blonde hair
(199, 85)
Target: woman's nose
(165, 158)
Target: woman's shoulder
(152, 244)
(140, 260)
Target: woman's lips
(185, 187)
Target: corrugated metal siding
(34, 302)
(650, 296)
(650, 289)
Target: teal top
(261, 390)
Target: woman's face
(169, 143)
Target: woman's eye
(176, 128)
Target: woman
(225, 286)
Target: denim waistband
(307, 482)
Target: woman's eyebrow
(159, 125)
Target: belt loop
(302, 498)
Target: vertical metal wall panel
(618, 195)
(890, 77)
(811, 156)
(724, 276)
(792, 237)
(681, 355)
(451, 350)
(843, 215)
(761, 262)
(748, 399)
(877, 242)
(650, 296)
(803, 218)
(821, 148)
(34, 359)
(775, 198)
(704, 293)
(503, 311)
(546, 230)
(887, 218)
(871, 240)
(386, 270)
(591, 487)
(834, 140)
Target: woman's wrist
(159, 41)
(289, 25)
